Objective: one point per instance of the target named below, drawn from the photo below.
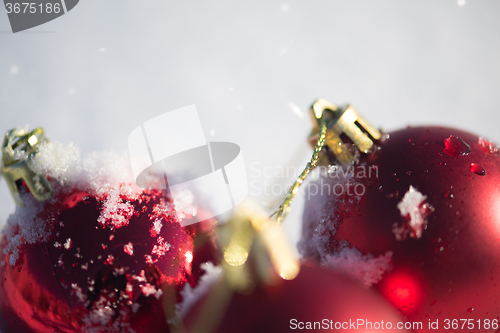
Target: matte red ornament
(433, 200)
(93, 274)
(316, 300)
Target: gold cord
(284, 208)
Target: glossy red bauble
(93, 267)
(433, 200)
(315, 300)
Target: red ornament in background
(331, 300)
(100, 255)
(433, 200)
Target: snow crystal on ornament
(160, 249)
(119, 271)
(149, 290)
(115, 211)
(316, 236)
(191, 295)
(97, 173)
(109, 260)
(322, 215)
(414, 209)
(100, 315)
(141, 277)
(488, 146)
(68, 243)
(24, 226)
(78, 291)
(365, 268)
(56, 160)
(129, 248)
(330, 197)
(156, 228)
(103, 318)
(183, 202)
(104, 175)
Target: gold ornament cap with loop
(345, 128)
(19, 146)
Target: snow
(364, 268)
(141, 277)
(191, 295)
(78, 291)
(414, 209)
(102, 319)
(129, 248)
(24, 226)
(110, 259)
(321, 214)
(488, 146)
(183, 202)
(156, 228)
(105, 175)
(115, 211)
(149, 290)
(68, 243)
(161, 248)
(320, 222)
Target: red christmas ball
(102, 255)
(429, 197)
(316, 299)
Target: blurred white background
(252, 69)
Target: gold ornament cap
(342, 121)
(255, 253)
(19, 146)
